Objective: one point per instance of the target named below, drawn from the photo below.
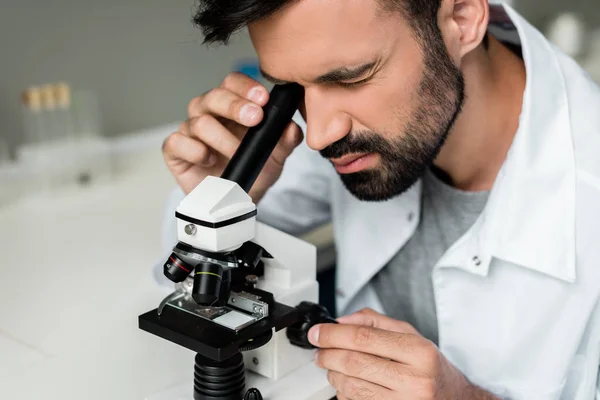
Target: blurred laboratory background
(88, 92)
(111, 72)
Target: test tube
(64, 112)
(32, 115)
(51, 129)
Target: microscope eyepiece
(260, 140)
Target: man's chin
(369, 186)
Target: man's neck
(477, 145)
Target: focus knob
(253, 394)
(311, 314)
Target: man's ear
(463, 24)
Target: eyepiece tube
(259, 142)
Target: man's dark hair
(438, 99)
(219, 19)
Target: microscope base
(306, 383)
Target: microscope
(246, 294)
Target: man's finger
(357, 389)
(211, 132)
(369, 317)
(222, 102)
(181, 147)
(246, 87)
(291, 138)
(405, 348)
(382, 372)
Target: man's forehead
(311, 37)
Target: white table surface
(75, 273)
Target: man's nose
(325, 123)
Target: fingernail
(249, 112)
(257, 95)
(316, 360)
(212, 159)
(313, 335)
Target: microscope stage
(207, 337)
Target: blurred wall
(143, 58)
(541, 12)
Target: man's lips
(345, 160)
(351, 163)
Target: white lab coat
(517, 296)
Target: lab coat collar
(530, 216)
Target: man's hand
(218, 121)
(371, 356)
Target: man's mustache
(359, 142)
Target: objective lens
(176, 269)
(207, 283)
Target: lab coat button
(476, 261)
(411, 216)
(340, 293)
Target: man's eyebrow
(272, 79)
(345, 73)
(333, 76)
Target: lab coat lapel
(368, 235)
(534, 223)
(529, 218)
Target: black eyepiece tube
(259, 142)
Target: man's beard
(404, 159)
